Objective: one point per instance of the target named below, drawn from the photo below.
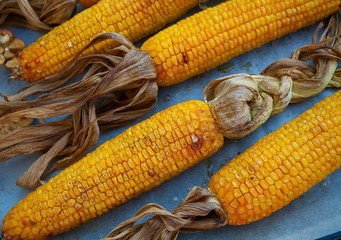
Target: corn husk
(118, 88)
(36, 14)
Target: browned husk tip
(243, 102)
(202, 4)
(119, 87)
(200, 211)
(36, 14)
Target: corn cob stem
(263, 179)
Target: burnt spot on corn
(197, 142)
(151, 173)
(185, 58)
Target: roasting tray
(314, 215)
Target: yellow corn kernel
(277, 187)
(130, 18)
(109, 167)
(211, 37)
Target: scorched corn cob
(139, 159)
(132, 19)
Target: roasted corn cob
(281, 166)
(211, 37)
(137, 160)
(132, 19)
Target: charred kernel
(294, 172)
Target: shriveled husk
(36, 14)
(200, 211)
(118, 88)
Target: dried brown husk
(200, 211)
(36, 14)
(119, 87)
(243, 102)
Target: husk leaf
(200, 211)
(118, 87)
(36, 14)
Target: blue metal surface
(313, 215)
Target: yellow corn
(283, 165)
(139, 159)
(87, 3)
(211, 37)
(130, 18)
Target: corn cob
(87, 3)
(281, 166)
(132, 19)
(137, 160)
(194, 45)
(211, 37)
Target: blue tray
(311, 216)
